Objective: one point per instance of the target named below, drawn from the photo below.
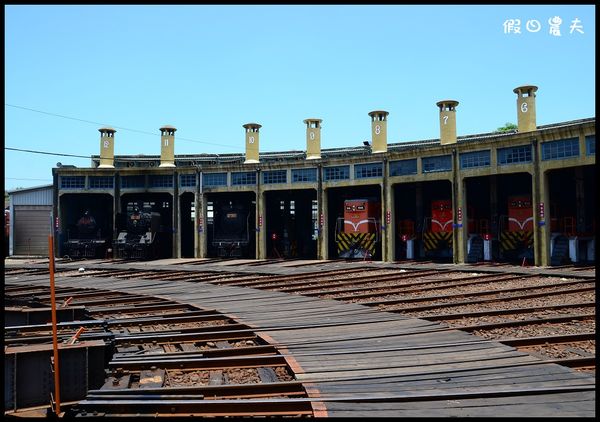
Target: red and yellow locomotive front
(357, 231)
(441, 216)
(520, 214)
(517, 233)
(360, 216)
(437, 238)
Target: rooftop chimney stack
(313, 139)
(526, 107)
(379, 131)
(447, 121)
(107, 148)
(251, 142)
(167, 146)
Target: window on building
(161, 181)
(403, 167)
(514, 155)
(214, 179)
(304, 175)
(474, 159)
(133, 182)
(560, 149)
(243, 178)
(72, 182)
(437, 163)
(101, 182)
(364, 171)
(187, 180)
(336, 173)
(590, 144)
(275, 176)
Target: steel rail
(532, 341)
(411, 288)
(491, 312)
(487, 293)
(469, 302)
(537, 321)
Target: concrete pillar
(457, 210)
(324, 239)
(320, 214)
(176, 217)
(459, 245)
(391, 225)
(387, 217)
(201, 235)
(261, 224)
(540, 199)
(116, 210)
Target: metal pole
(54, 332)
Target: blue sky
(207, 70)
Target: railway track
(171, 359)
(167, 358)
(550, 317)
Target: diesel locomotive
(516, 229)
(438, 230)
(358, 231)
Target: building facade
(294, 201)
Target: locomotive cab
(231, 233)
(357, 232)
(140, 239)
(438, 230)
(516, 232)
(87, 241)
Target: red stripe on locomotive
(360, 215)
(520, 214)
(441, 216)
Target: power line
(116, 127)
(47, 153)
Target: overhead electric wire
(47, 153)
(116, 127)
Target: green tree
(507, 127)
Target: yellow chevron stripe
(431, 240)
(362, 240)
(511, 240)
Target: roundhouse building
(522, 196)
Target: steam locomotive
(231, 229)
(357, 232)
(140, 239)
(87, 241)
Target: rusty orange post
(54, 330)
(73, 339)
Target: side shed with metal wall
(30, 220)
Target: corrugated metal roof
(40, 195)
